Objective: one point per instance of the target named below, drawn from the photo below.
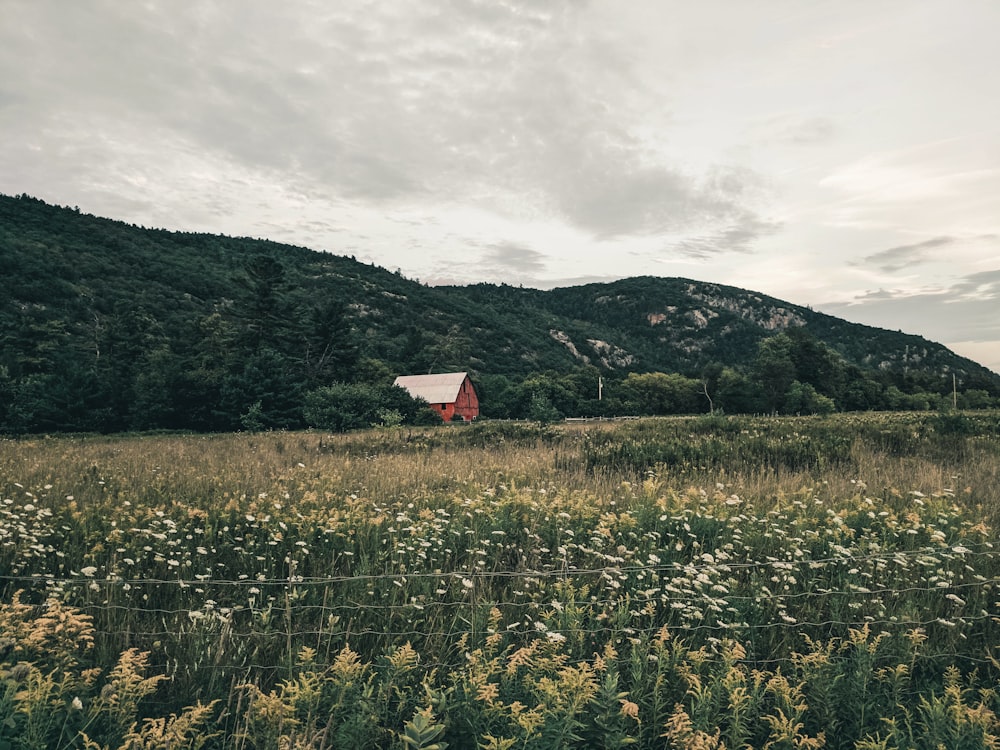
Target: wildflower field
(703, 582)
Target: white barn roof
(441, 388)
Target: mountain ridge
(105, 301)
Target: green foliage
(735, 393)
(475, 587)
(421, 731)
(542, 410)
(660, 393)
(262, 391)
(494, 434)
(802, 398)
(952, 424)
(351, 406)
(774, 371)
(685, 446)
(108, 327)
(816, 364)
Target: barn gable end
(450, 394)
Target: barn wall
(467, 405)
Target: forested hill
(109, 326)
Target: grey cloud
(503, 262)
(983, 285)
(806, 131)
(794, 129)
(937, 316)
(510, 255)
(880, 294)
(902, 256)
(572, 157)
(739, 236)
(323, 227)
(422, 221)
(946, 313)
(309, 229)
(514, 107)
(811, 131)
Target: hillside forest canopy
(109, 327)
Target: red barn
(450, 394)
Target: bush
(351, 406)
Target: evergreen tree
(331, 346)
(774, 371)
(262, 306)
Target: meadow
(710, 582)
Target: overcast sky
(843, 155)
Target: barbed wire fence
(362, 600)
(234, 631)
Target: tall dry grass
(671, 583)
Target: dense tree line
(240, 371)
(110, 327)
(793, 373)
(240, 366)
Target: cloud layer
(503, 106)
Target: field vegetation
(710, 582)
